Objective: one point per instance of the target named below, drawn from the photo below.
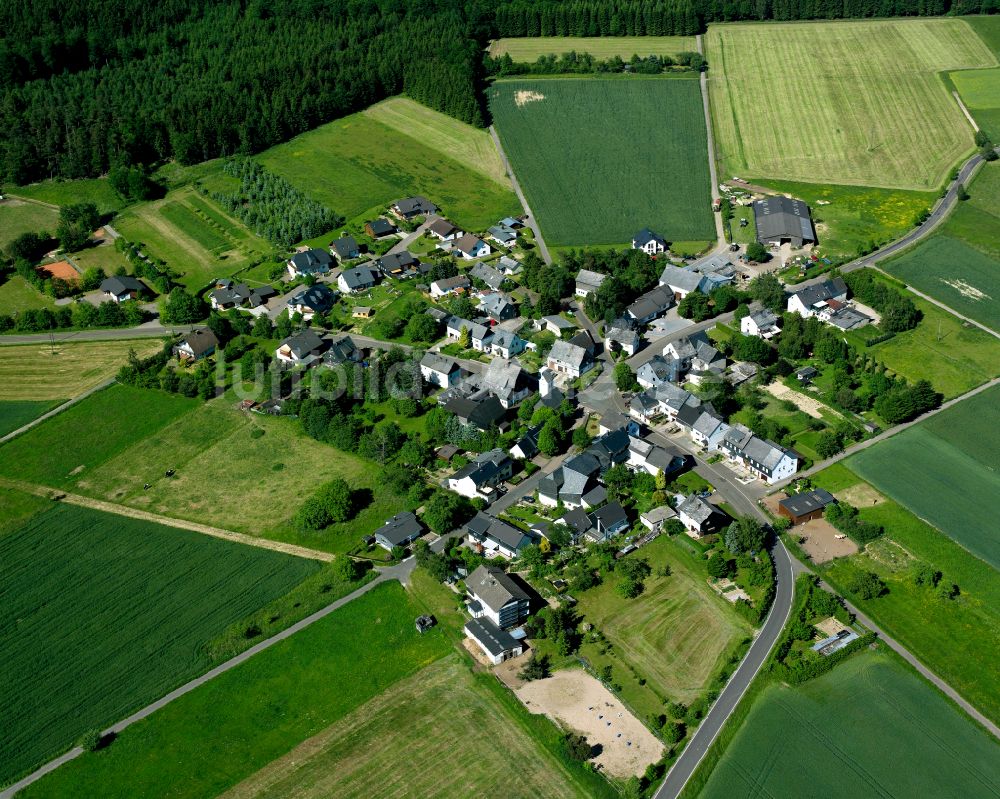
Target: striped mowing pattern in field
(841, 102)
(868, 728)
(102, 614)
(528, 50)
(601, 158)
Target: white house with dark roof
(480, 336)
(402, 529)
(762, 323)
(439, 371)
(646, 456)
(766, 460)
(495, 595)
(399, 265)
(443, 230)
(498, 306)
(304, 348)
(492, 537)
(199, 343)
(507, 344)
(502, 235)
(649, 242)
(120, 288)
(608, 521)
(569, 359)
(310, 263)
(496, 645)
(698, 516)
(490, 276)
(815, 299)
(470, 247)
(361, 278)
(651, 305)
(587, 282)
(345, 248)
(312, 300)
(449, 285)
(479, 479)
(526, 447)
(410, 207)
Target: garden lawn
(19, 216)
(235, 725)
(227, 478)
(528, 50)
(105, 614)
(600, 158)
(445, 720)
(869, 106)
(17, 413)
(358, 165)
(17, 294)
(193, 235)
(60, 371)
(67, 192)
(91, 432)
(870, 727)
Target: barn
(782, 220)
(806, 506)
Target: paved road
(147, 330)
(720, 234)
(409, 238)
(529, 217)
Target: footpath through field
(720, 233)
(204, 529)
(529, 217)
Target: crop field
(484, 744)
(89, 639)
(230, 728)
(18, 216)
(227, 478)
(837, 735)
(63, 371)
(16, 507)
(359, 164)
(17, 294)
(529, 49)
(955, 639)
(592, 182)
(872, 109)
(193, 235)
(17, 413)
(93, 431)
(675, 633)
(66, 192)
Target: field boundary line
(57, 410)
(532, 221)
(168, 521)
(965, 111)
(713, 173)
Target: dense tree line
(573, 63)
(897, 311)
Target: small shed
(806, 506)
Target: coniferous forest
(86, 87)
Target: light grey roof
(766, 453)
(358, 277)
(807, 502)
(782, 217)
(502, 376)
(559, 322)
(490, 276)
(495, 303)
(502, 233)
(508, 264)
(680, 279)
(658, 515)
(506, 339)
(848, 319)
(593, 280)
(707, 424)
(476, 331)
(491, 637)
(400, 528)
(764, 318)
(658, 370)
(696, 508)
(494, 587)
(450, 283)
(568, 353)
(439, 363)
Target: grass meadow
(980, 91)
(63, 371)
(105, 614)
(18, 216)
(66, 192)
(600, 158)
(485, 743)
(235, 725)
(17, 413)
(359, 164)
(193, 235)
(957, 639)
(988, 28)
(945, 471)
(16, 507)
(17, 294)
(528, 50)
(869, 106)
(870, 727)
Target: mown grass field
(957, 639)
(945, 471)
(870, 727)
(601, 158)
(16, 507)
(988, 29)
(16, 413)
(104, 614)
(675, 634)
(103, 425)
(849, 217)
(235, 725)
(227, 478)
(359, 164)
(857, 103)
(17, 294)
(980, 91)
(445, 720)
(528, 50)
(18, 216)
(193, 235)
(63, 371)
(66, 192)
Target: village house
(479, 479)
(708, 429)
(449, 285)
(498, 306)
(761, 323)
(345, 248)
(490, 537)
(612, 420)
(495, 596)
(608, 521)
(782, 220)
(507, 344)
(316, 299)
(502, 235)
(412, 207)
(470, 247)
(443, 230)
(488, 275)
(588, 282)
(814, 300)
(121, 288)
(199, 343)
(622, 336)
(654, 519)
(649, 242)
(657, 371)
(507, 381)
(526, 447)
(255, 300)
(766, 460)
(569, 359)
(652, 458)
(402, 529)
(480, 336)
(377, 228)
(361, 278)
(362, 312)
(304, 348)
(341, 351)
(572, 484)
(698, 516)
(399, 265)
(651, 305)
(482, 412)
(310, 263)
(507, 266)
(439, 371)
(703, 276)
(680, 281)
(555, 324)
(496, 645)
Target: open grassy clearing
(957, 639)
(528, 50)
(358, 165)
(358, 756)
(19, 216)
(229, 479)
(675, 634)
(63, 371)
(193, 235)
(89, 640)
(471, 147)
(91, 432)
(591, 182)
(230, 728)
(944, 474)
(17, 294)
(66, 192)
(988, 29)
(980, 91)
(851, 102)
(869, 727)
(16, 507)
(17, 413)
(103, 256)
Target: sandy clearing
(802, 402)
(820, 541)
(524, 97)
(861, 495)
(580, 702)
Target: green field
(235, 725)
(957, 638)
(529, 49)
(857, 103)
(193, 235)
(443, 718)
(66, 192)
(600, 158)
(16, 413)
(18, 216)
(988, 28)
(945, 471)
(358, 165)
(868, 728)
(849, 217)
(17, 294)
(105, 614)
(980, 91)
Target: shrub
(90, 740)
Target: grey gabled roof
(494, 587)
(476, 331)
(645, 236)
(312, 261)
(415, 205)
(764, 318)
(400, 528)
(707, 424)
(586, 277)
(610, 515)
(782, 217)
(201, 340)
(494, 303)
(442, 227)
(303, 342)
(397, 260)
(120, 284)
(490, 276)
(821, 292)
(345, 246)
(696, 508)
(357, 277)
(491, 637)
(680, 279)
(318, 298)
(467, 243)
(449, 283)
(568, 353)
(807, 502)
(381, 226)
(439, 363)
